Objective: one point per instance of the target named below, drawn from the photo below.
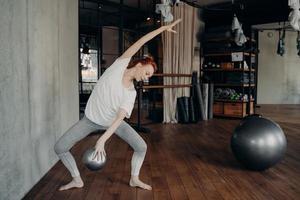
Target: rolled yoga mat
(210, 101)
(183, 109)
(200, 101)
(205, 100)
(192, 112)
(193, 103)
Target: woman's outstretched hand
(99, 150)
(170, 26)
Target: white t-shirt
(109, 95)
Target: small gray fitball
(90, 163)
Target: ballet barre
(165, 86)
(140, 87)
(172, 75)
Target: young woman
(111, 101)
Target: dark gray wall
(38, 87)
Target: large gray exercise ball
(90, 163)
(258, 143)
(250, 117)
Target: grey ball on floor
(258, 143)
(90, 163)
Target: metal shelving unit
(249, 55)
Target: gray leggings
(83, 128)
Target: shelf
(234, 85)
(232, 101)
(227, 108)
(229, 70)
(227, 54)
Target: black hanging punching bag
(281, 43)
(298, 43)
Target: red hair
(144, 61)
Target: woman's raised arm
(138, 44)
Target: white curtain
(179, 56)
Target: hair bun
(146, 59)
(148, 56)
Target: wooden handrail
(140, 88)
(165, 86)
(172, 75)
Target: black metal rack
(250, 56)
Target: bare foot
(75, 183)
(135, 182)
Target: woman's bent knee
(141, 147)
(59, 148)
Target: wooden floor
(190, 161)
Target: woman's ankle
(77, 178)
(135, 177)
